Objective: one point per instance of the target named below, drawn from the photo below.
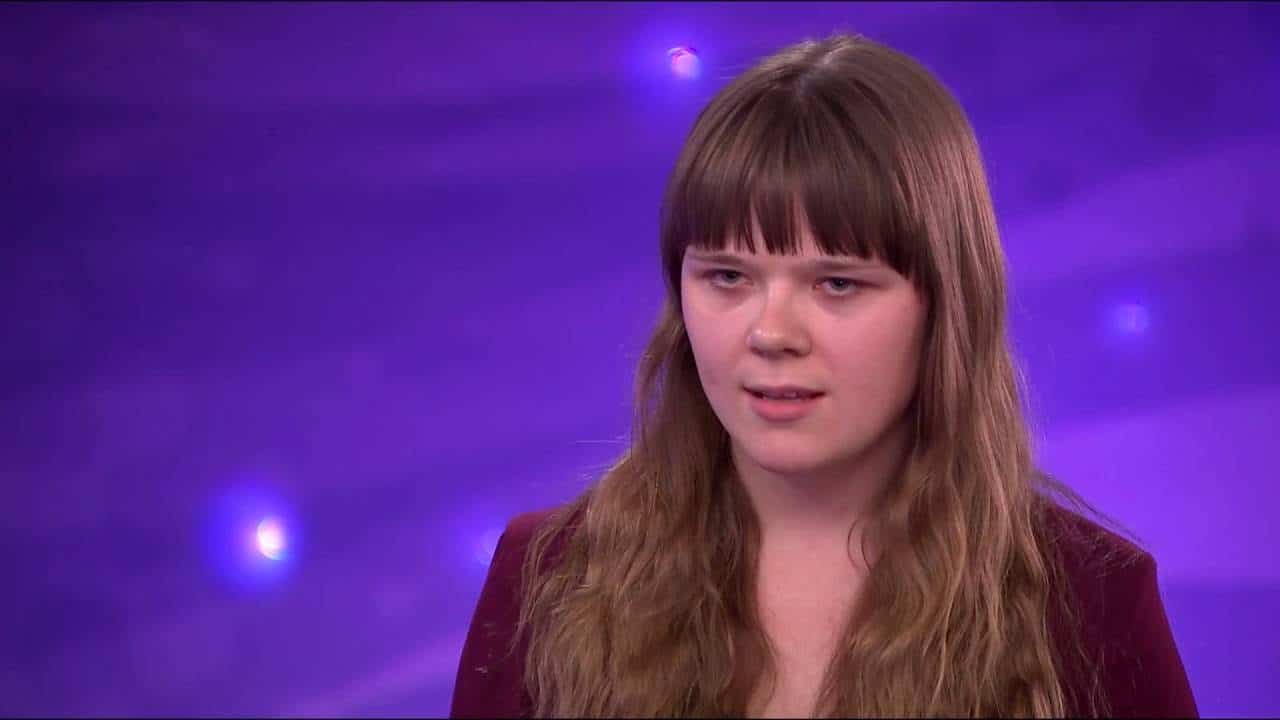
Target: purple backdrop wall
(382, 272)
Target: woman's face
(852, 331)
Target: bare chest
(804, 623)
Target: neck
(817, 508)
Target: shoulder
(521, 529)
(1101, 571)
(489, 681)
(508, 556)
(1095, 559)
(1117, 619)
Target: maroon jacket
(1121, 616)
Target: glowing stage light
(270, 537)
(685, 62)
(252, 536)
(1130, 318)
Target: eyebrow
(819, 264)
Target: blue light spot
(1130, 318)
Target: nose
(777, 330)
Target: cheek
(710, 340)
(883, 370)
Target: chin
(784, 458)
(789, 466)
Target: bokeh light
(251, 536)
(685, 62)
(270, 536)
(1130, 318)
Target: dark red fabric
(1120, 615)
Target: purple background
(385, 270)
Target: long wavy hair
(639, 595)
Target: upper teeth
(787, 396)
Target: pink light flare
(270, 538)
(684, 61)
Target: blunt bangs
(787, 157)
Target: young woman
(829, 507)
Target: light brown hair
(649, 607)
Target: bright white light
(685, 62)
(270, 537)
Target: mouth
(784, 407)
(784, 394)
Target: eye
(719, 274)
(842, 286)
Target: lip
(782, 410)
(782, 389)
